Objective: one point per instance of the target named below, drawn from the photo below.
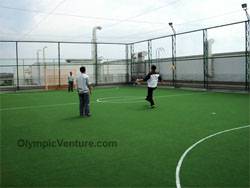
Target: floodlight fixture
(94, 38)
(99, 27)
(172, 27)
(244, 6)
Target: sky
(122, 21)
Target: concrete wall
(228, 67)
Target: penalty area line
(180, 162)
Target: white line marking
(100, 100)
(125, 99)
(178, 168)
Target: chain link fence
(216, 57)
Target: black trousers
(70, 86)
(149, 97)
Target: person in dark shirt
(152, 80)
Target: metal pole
(149, 54)
(24, 83)
(244, 6)
(17, 71)
(63, 42)
(131, 61)
(247, 54)
(205, 59)
(94, 51)
(174, 60)
(54, 72)
(96, 65)
(127, 63)
(59, 65)
(38, 66)
(45, 68)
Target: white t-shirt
(70, 78)
(152, 79)
(82, 82)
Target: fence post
(17, 67)
(127, 63)
(96, 64)
(174, 60)
(247, 54)
(131, 61)
(149, 54)
(59, 65)
(205, 58)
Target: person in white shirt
(152, 80)
(70, 82)
(84, 90)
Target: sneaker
(88, 115)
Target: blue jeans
(84, 104)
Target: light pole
(247, 53)
(244, 6)
(172, 27)
(94, 51)
(94, 39)
(45, 68)
(38, 64)
(173, 54)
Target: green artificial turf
(150, 142)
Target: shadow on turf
(72, 118)
(141, 108)
(135, 108)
